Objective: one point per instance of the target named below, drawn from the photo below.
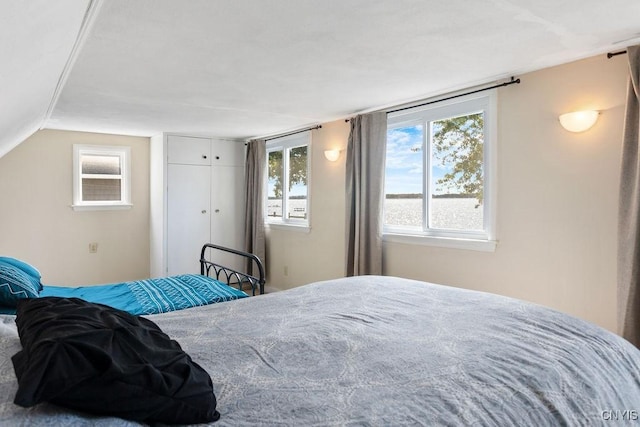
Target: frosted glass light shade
(332, 155)
(578, 121)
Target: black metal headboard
(229, 275)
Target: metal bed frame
(231, 276)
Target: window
(101, 177)
(439, 171)
(288, 180)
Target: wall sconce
(332, 155)
(578, 121)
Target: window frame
(285, 144)
(124, 153)
(481, 240)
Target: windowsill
(443, 242)
(101, 207)
(300, 228)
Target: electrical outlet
(93, 248)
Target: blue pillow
(15, 285)
(29, 269)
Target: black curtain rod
(510, 82)
(293, 133)
(612, 54)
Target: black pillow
(101, 360)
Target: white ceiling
(245, 68)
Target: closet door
(227, 198)
(227, 212)
(188, 216)
(188, 150)
(227, 153)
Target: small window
(101, 177)
(288, 180)
(438, 179)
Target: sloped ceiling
(36, 41)
(246, 68)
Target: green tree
(297, 168)
(458, 144)
(276, 172)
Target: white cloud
(402, 147)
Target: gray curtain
(366, 151)
(629, 211)
(254, 210)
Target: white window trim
(284, 143)
(465, 239)
(442, 242)
(301, 228)
(125, 155)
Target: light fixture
(332, 155)
(578, 121)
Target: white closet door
(227, 153)
(227, 211)
(188, 216)
(188, 150)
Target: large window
(288, 180)
(101, 177)
(439, 172)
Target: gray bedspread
(383, 351)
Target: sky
(404, 161)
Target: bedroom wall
(557, 202)
(298, 257)
(38, 225)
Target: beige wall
(38, 225)
(557, 202)
(295, 257)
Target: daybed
(215, 283)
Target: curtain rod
(510, 82)
(612, 54)
(292, 133)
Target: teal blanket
(152, 296)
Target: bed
(215, 283)
(378, 351)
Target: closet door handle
(217, 210)
(204, 211)
(204, 156)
